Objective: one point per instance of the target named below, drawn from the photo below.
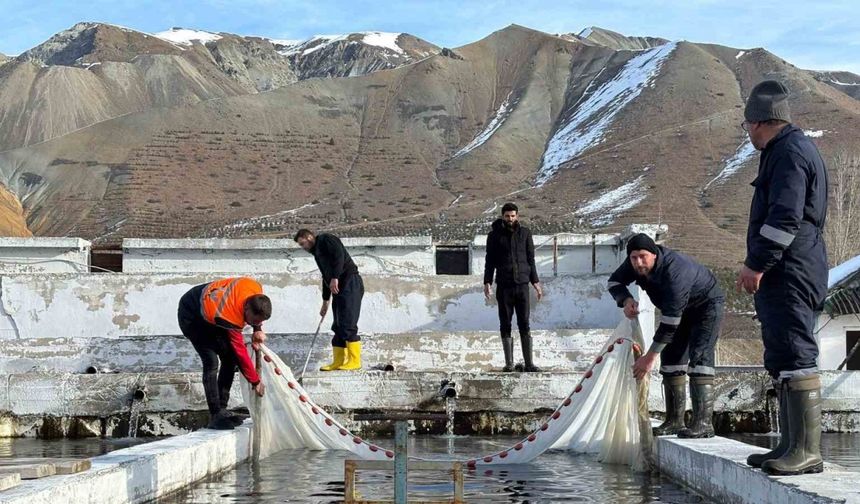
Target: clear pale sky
(815, 35)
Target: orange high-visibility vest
(225, 299)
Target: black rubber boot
(528, 364)
(220, 421)
(803, 397)
(675, 395)
(702, 396)
(508, 347)
(223, 400)
(237, 418)
(757, 459)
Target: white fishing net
(606, 413)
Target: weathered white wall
(573, 253)
(44, 255)
(124, 305)
(384, 255)
(466, 351)
(832, 337)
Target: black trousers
(513, 299)
(212, 344)
(346, 309)
(692, 350)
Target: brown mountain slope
(581, 135)
(12, 221)
(94, 72)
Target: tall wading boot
(352, 361)
(803, 397)
(338, 356)
(702, 396)
(508, 348)
(675, 395)
(757, 459)
(236, 419)
(217, 419)
(528, 364)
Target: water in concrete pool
(307, 476)
(65, 448)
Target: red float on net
(488, 459)
(610, 348)
(518, 446)
(278, 371)
(267, 358)
(556, 415)
(567, 402)
(389, 454)
(599, 359)
(531, 438)
(578, 389)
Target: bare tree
(843, 217)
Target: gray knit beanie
(768, 100)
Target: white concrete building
(44, 255)
(378, 255)
(839, 325)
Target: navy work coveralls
(785, 242)
(691, 309)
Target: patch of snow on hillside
(838, 82)
(743, 153)
(499, 117)
(603, 210)
(588, 124)
(814, 133)
(186, 37)
(384, 40)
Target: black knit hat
(641, 241)
(768, 100)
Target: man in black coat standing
(786, 270)
(511, 257)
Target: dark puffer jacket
(510, 255)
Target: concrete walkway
(140, 473)
(717, 468)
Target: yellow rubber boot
(353, 356)
(338, 360)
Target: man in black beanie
(786, 270)
(691, 309)
(511, 259)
